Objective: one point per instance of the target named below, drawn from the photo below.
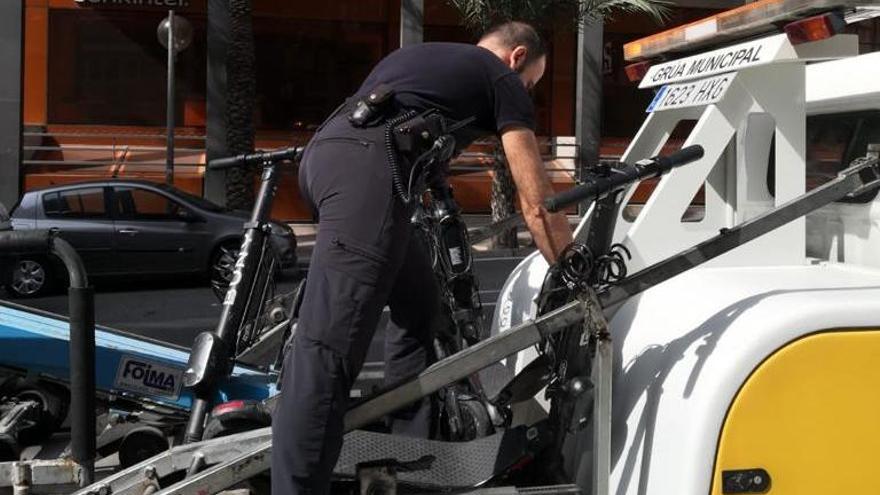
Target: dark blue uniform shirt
(459, 80)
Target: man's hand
(550, 230)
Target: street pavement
(176, 310)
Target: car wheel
(31, 277)
(222, 267)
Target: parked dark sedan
(129, 227)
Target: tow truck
(732, 354)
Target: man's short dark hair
(515, 33)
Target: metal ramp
(449, 465)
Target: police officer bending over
(360, 174)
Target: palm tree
(478, 15)
(240, 101)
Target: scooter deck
(451, 465)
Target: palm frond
(658, 10)
(477, 15)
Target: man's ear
(518, 57)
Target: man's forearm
(550, 231)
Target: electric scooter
(462, 414)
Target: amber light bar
(815, 28)
(751, 19)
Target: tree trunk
(240, 101)
(503, 197)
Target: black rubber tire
(250, 418)
(476, 420)
(25, 272)
(55, 401)
(140, 444)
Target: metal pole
(11, 70)
(81, 299)
(411, 22)
(169, 110)
(588, 97)
(218, 45)
(601, 377)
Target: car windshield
(193, 199)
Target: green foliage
(478, 15)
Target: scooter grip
(25, 241)
(574, 195)
(678, 158)
(228, 162)
(293, 154)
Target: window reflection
(107, 68)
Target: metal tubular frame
(81, 471)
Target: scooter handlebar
(25, 241)
(622, 176)
(256, 159)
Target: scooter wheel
(140, 444)
(246, 418)
(477, 423)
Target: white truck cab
(757, 372)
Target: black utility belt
(373, 109)
(413, 133)
(423, 143)
(422, 140)
(414, 142)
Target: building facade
(94, 83)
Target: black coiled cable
(578, 265)
(391, 155)
(611, 267)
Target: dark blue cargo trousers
(363, 260)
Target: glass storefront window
(306, 68)
(106, 67)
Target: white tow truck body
(767, 359)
